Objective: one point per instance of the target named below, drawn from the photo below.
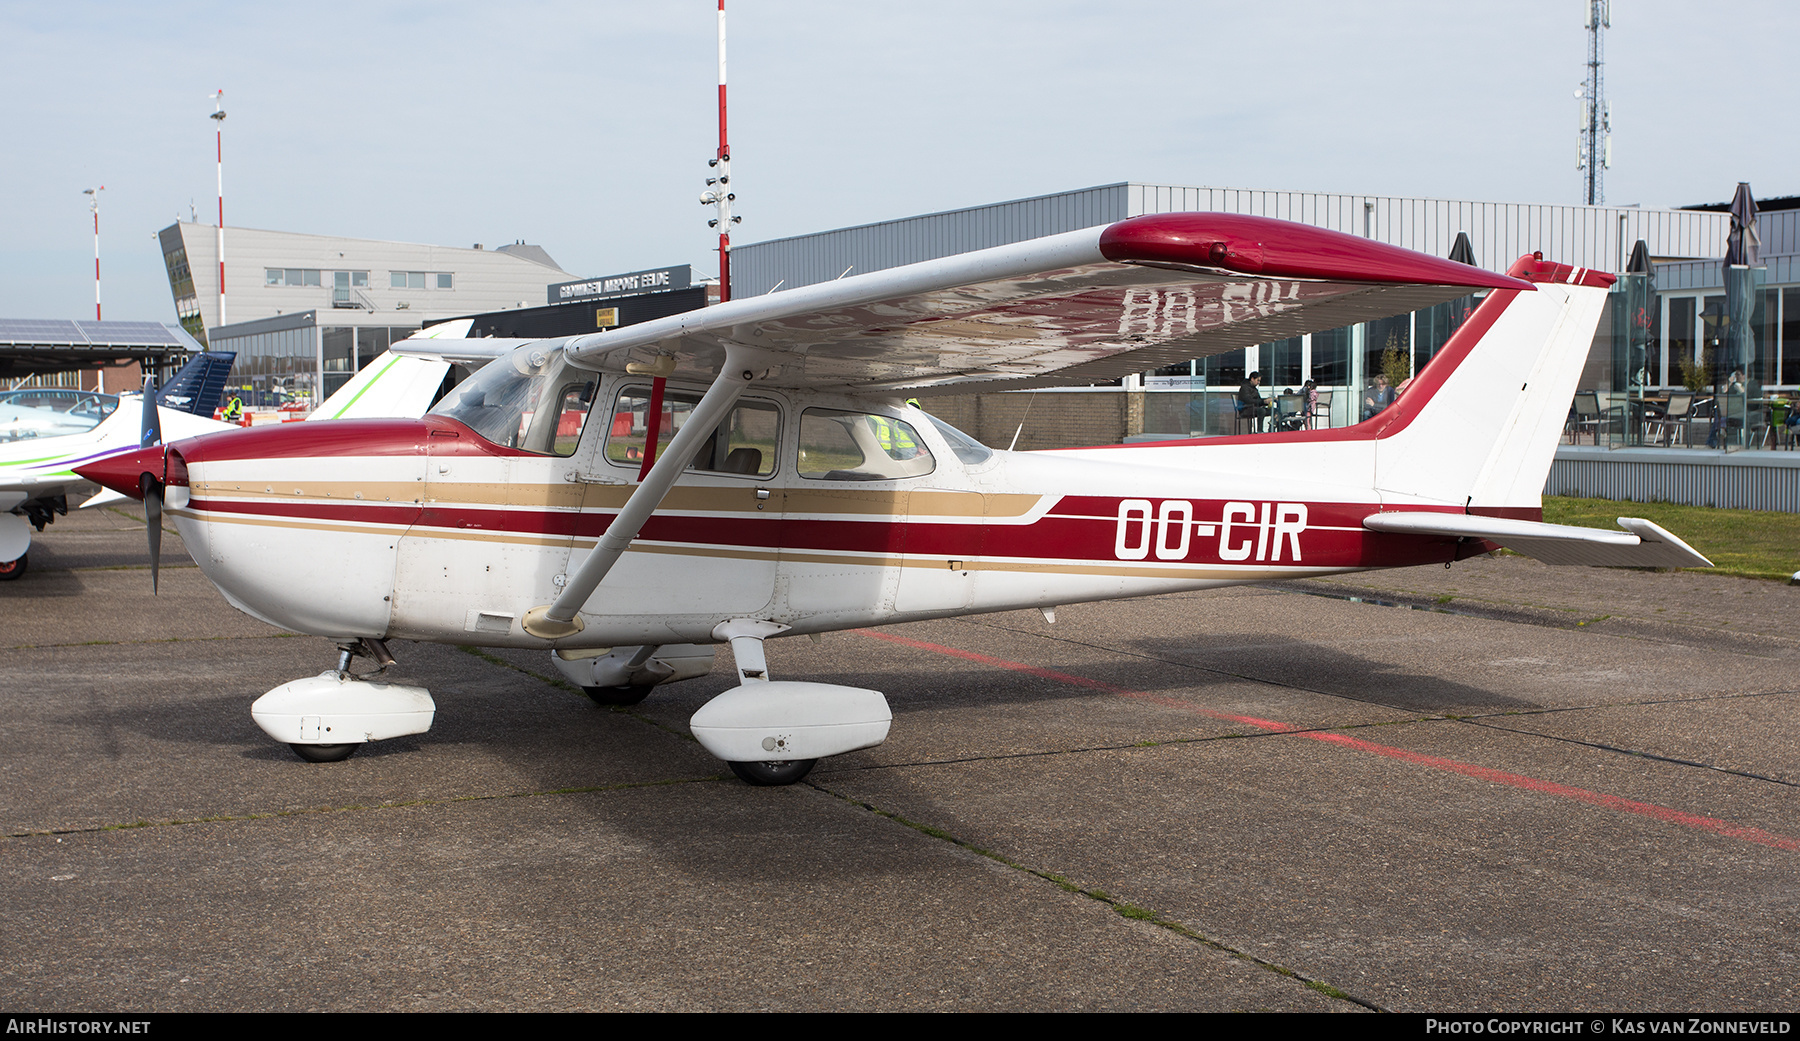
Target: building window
(293, 276)
(421, 279)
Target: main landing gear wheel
(772, 775)
(618, 695)
(12, 569)
(325, 753)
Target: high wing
(1640, 544)
(1081, 307)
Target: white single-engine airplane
(545, 504)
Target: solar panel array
(59, 332)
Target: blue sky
(585, 127)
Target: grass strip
(1746, 543)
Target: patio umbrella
(1741, 255)
(1636, 323)
(1463, 252)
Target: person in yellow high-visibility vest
(896, 437)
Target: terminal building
(305, 312)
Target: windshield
(532, 400)
(967, 449)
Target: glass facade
(300, 367)
(187, 302)
(1715, 367)
(1353, 369)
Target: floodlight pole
(218, 117)
(93, 195)
(723, 162)
(718, 194)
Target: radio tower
(1595, 154)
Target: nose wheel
(324, 753)
(772, 775)
(624, 695)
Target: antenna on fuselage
(1028, 403)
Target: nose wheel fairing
(334, 709)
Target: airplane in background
(45, 434)
(37, 479)
(630, 499)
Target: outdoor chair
(1673, 420)
(1585, 414)
(1290, 412)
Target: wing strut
(562, 618)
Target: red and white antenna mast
(218, 117)
(722, 196)
(93, 195)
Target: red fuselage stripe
(1095, 531)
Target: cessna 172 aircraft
(630, 499)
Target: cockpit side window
(745, 443)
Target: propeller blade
(150, 431)
(153, 504)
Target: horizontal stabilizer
(1640, 544)
(448, 341)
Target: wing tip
(1282, 249)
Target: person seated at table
(1377, 397)
(1251, 404)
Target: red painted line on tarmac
(1611, 802)
(1481, 773)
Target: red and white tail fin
(1479, 426)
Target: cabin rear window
(860, 446)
